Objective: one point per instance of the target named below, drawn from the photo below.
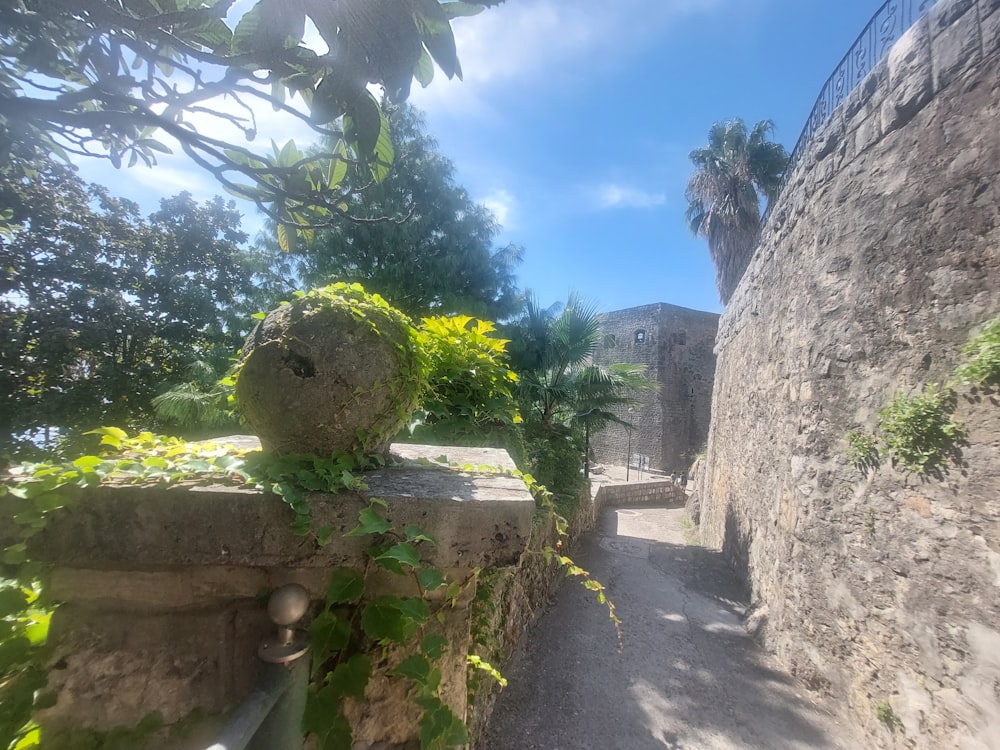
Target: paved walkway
(689, 677)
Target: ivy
(352, 622)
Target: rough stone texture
(671, 425)
(878, 262)
(639, 493)
(314, 375)
(161, 587)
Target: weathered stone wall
(639, 493)
(676, 346)
(881, 256)
(159, 592)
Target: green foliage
(438, 258)
(981, 368)
(470, 387)
(563, 396)
(888, 717)
(355, 622)
(862, 450)
(555, 455)
(24, 623)
(919, 431)
(352, 622)
(107, 77)
(101, 309)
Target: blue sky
(575, 121)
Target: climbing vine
(356, 629)
(352, 619)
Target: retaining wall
(881, 257)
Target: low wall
(639, 493)
(161, 589)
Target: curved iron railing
(888, 24)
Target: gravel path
(689, 676)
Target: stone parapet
(163, 588)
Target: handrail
(888, 24)
(270, 718)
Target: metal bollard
(270, 718)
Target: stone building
(676, 345)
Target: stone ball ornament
(335, 370)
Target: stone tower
(676, 345)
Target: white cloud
(612, 195)
(530, 42)
(502, 204)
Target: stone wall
(160, 590)
(880, 258)
(676, 346)
(639, 493)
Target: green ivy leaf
(345, 587)
(351, 678)
(323, 535)
(323, 719)
(403, 553)
(328, 634)
(433, 645)
(440, 729)
(414, 534)
(15, 554)
(418, 669)
(369, 522)
(113, 436)
(12, 601)
(431, 579)
(384, 620)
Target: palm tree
(724, 194)
(561, 391)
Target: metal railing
(888, 24)
(270, 718)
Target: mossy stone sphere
(335, 371)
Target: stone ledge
(480, 520)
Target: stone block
(944, 14)
(111, 668)
(989, 26)
(867, 134)
(957, 45)
(988, 7)
(909, 72)
(485, 516)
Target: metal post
(283, 725)
(271, 716)
(628, 457)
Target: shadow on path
(689, 676)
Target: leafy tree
(105, 77)
(99, 308)
(437, 259)
(723, 194)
